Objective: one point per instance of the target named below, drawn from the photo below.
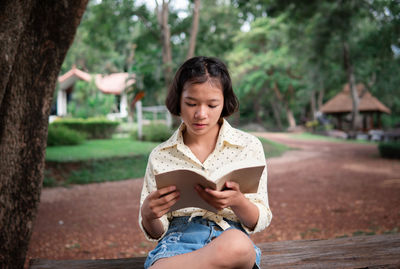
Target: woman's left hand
(231, 196)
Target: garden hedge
(389, 150)
(94, 128)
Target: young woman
(202, 95)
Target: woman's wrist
(240, 202)
(247, 212)
(153, 227)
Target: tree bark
(162, 15)
(352, 84)
(34, 36)
(277, 113)
(257, 108)
(290, 117)
(195, 28)
(321, 93)
(289, 113)
(313, 105)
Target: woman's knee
(236, 247)
(239, 242)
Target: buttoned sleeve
(260, 199)
(149, 185)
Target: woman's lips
(199, 125)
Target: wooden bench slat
(376, 251)
(349, 252)
(136, 262)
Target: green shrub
(62, 136)
(154, 133)
(389, 150)
(48, 180)
(95, 128)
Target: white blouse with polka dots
(232, 145)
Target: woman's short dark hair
(199, 70)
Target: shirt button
(202, 168)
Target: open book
(245, 173)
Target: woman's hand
(231, 196)
(156, 204)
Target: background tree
(195, 28)
(314, 32)
(263, 68)
(104, 47)
(35, 36)
(340, 31)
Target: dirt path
(321, 190)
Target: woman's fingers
(162, 200)
(214, 198)
(232, 185)
(165, 202)
(164, 191)
(220, 199)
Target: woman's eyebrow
(191, 98)
(194, 99)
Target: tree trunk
(195, 27)
(130, 91)
(34, 36)
(290, 117)
(257, 109)
(163, 14)
(313, 105)
(289, 112)
(321, 93)
(352, 84)
(277, 113)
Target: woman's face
(201, 106)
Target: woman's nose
(201, 112)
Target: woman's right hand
(158, 202)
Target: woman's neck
(202, 146)
(207, 139)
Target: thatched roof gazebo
(341, 105)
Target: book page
(248, 178)
(245, 173)
(185, 181)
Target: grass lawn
(273, 149)
(109, 160)
(99, 149)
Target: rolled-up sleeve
(149, 185)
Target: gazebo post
(365, 124)
(371, 120)
(339, 121)
(379, 121)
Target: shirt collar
(227, 135)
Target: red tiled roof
(110, 84)
(68, 79)
(114, 83)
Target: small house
(115, 84)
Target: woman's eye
(210, 106)
(189, 104)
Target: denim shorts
(184, 236)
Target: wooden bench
(376, 251)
